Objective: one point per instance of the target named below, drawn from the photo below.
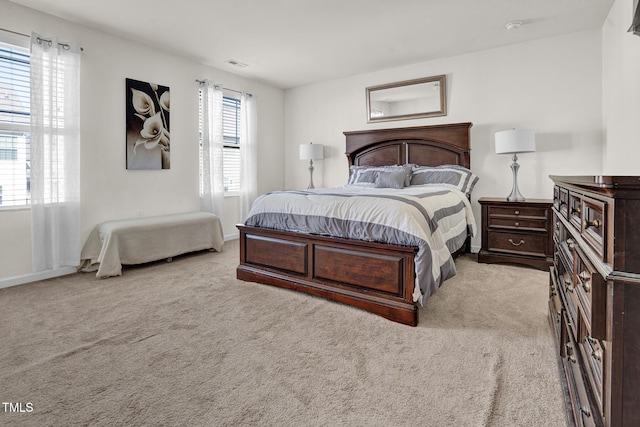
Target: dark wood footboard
(375, 277)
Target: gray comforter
(435, 218)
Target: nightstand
(517, 232)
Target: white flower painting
(148, 137)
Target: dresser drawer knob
(517, 212)
(595, 224)
(575, 210)
(597, 354)
(586, 280)
(517, 224)
(521, 242)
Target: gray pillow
(367, 174)
(455, 175)
(390, 179)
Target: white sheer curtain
(55, 153)
(212, 198)
(248, 153)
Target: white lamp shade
(311, 151)
(515, 141)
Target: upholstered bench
(135, 241)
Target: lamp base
(515, 195)
(310, 187)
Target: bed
(365, 272)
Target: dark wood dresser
(516, 232)
(594, 299)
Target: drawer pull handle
(591, 339)
(517, 224)
(586, 411)
(575, 210)
(570, 355)
(586, 280)
(517, 212)
(595, 223)
(597, 354)
(521, 242)
(571, 243)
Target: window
(14, 126)
(231, 138)
(231, 142)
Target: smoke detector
(513, 25)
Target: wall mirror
(410, 99)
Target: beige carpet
(186, 344)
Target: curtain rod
(64, 45)
(225, 88)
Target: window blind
(14, 126)
(231, 138)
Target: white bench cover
(135, 241)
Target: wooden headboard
(422, 145)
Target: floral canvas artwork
(148, 139)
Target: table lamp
(515, 141)
(311, 152)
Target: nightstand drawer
(514, 242)
(518, 223)
(519, 211)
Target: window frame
(18, 130)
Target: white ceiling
(289, 43)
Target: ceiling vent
(236, 63)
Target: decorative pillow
(368, 174)
(458, 176)
(390, 179)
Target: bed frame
(372, 276)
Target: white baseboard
(233, 236)
(34, 277)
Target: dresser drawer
(519, 243)
(591, 291)
(566, 290)
(555, 307)
(593, 354)
(594, 225)
(575, 210)
(562, 201)
(583, 284)
(583, 413)
(559, 231)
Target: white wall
(108, 190)
(621, 92)
(552, 86)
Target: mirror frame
(441, 79)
